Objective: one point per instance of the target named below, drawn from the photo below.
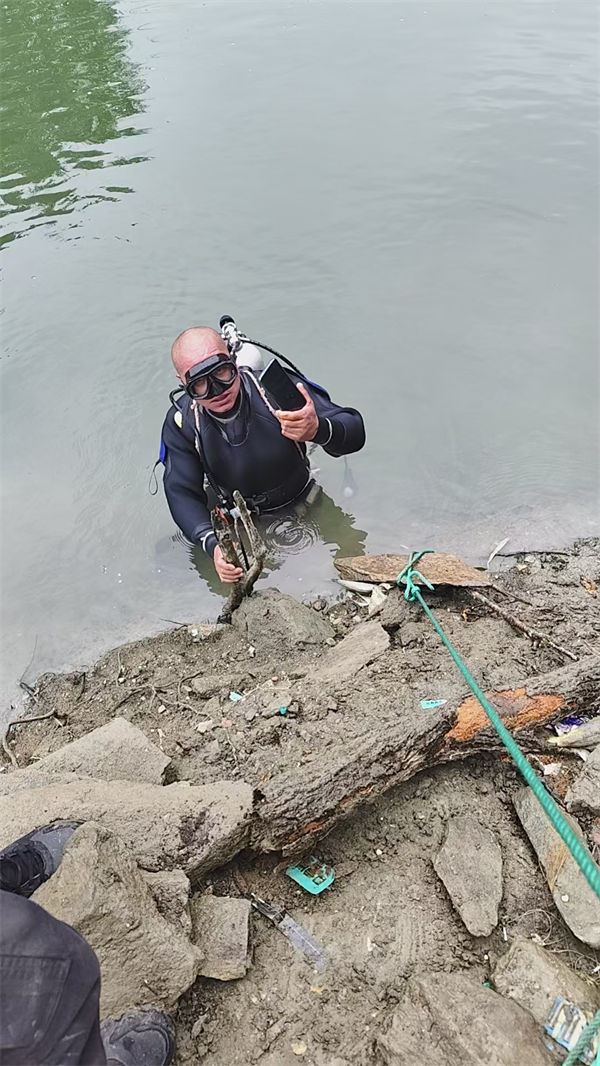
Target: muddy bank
(319, 685)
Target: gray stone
(534, 977)
(362, 646)
(396, 610)
(193, 827)
(221, 929)
(100, 892)
(211, 684)
(576, 901)
(410, 633)
(470, 865)
(115, 751)
(271, 612)
(453, 1020)
(584, 794)
(171, 892)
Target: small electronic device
(280, 388)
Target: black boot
(31, 860)
(139, 1038)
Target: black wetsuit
(244, 450)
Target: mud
(387, 916)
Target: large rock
(171, 892)
(365, 643)
(453, 1020)
(470, 865)
(221, 931)
(115, 751)
(584, 794)
(192, 827)
(534, 977)
(99, 890)
(576, 901)
(271, 612)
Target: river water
(402, 197)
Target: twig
(23, 683)
(533, 634)
(230, 742)
(21, 721)
(511, 595)
(120, 671)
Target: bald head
(193, 346)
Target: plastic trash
(313, 876)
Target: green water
(401, 197)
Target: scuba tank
(245, 352)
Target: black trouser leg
(49, 990)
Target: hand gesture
(300, 425)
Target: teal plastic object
(313, 876)
(430, 705)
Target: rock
(272, 612)
(410, 633)
(221, 930)
(534, 977)
(584, 794)
(438, 567)
(470, 865)
(171, 893)
(362, 646)
(211, 684)
(576, 901)
(99, 890)
(396, 610)
(115, 751)
(194, 827)
(458, 1021)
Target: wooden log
(438, 567)
(300, 805)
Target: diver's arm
(184, 487)
(341, 429)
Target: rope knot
(409, 573)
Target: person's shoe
(32, 859)
(139, 1038)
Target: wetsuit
(244, 449)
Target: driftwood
(231, 547)
(438, 567)
(298, 806)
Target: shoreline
(298, 702)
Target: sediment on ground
(299, 729)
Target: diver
(231, 429)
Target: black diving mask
(211, 377)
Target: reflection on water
(69, 89)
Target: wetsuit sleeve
(341, 429)
(184, 486)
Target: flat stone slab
(453, 1020)
(115, 751)
(438, 567)
(195, 828)
(221, 929)
(365, 643)
(534, 977)
(576, 901)
(469, 864)
(272, 611)
(584, 794)
(100, 892)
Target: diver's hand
(226, 571)
(300, 425)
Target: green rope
(586, 1038)
(582, 857)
